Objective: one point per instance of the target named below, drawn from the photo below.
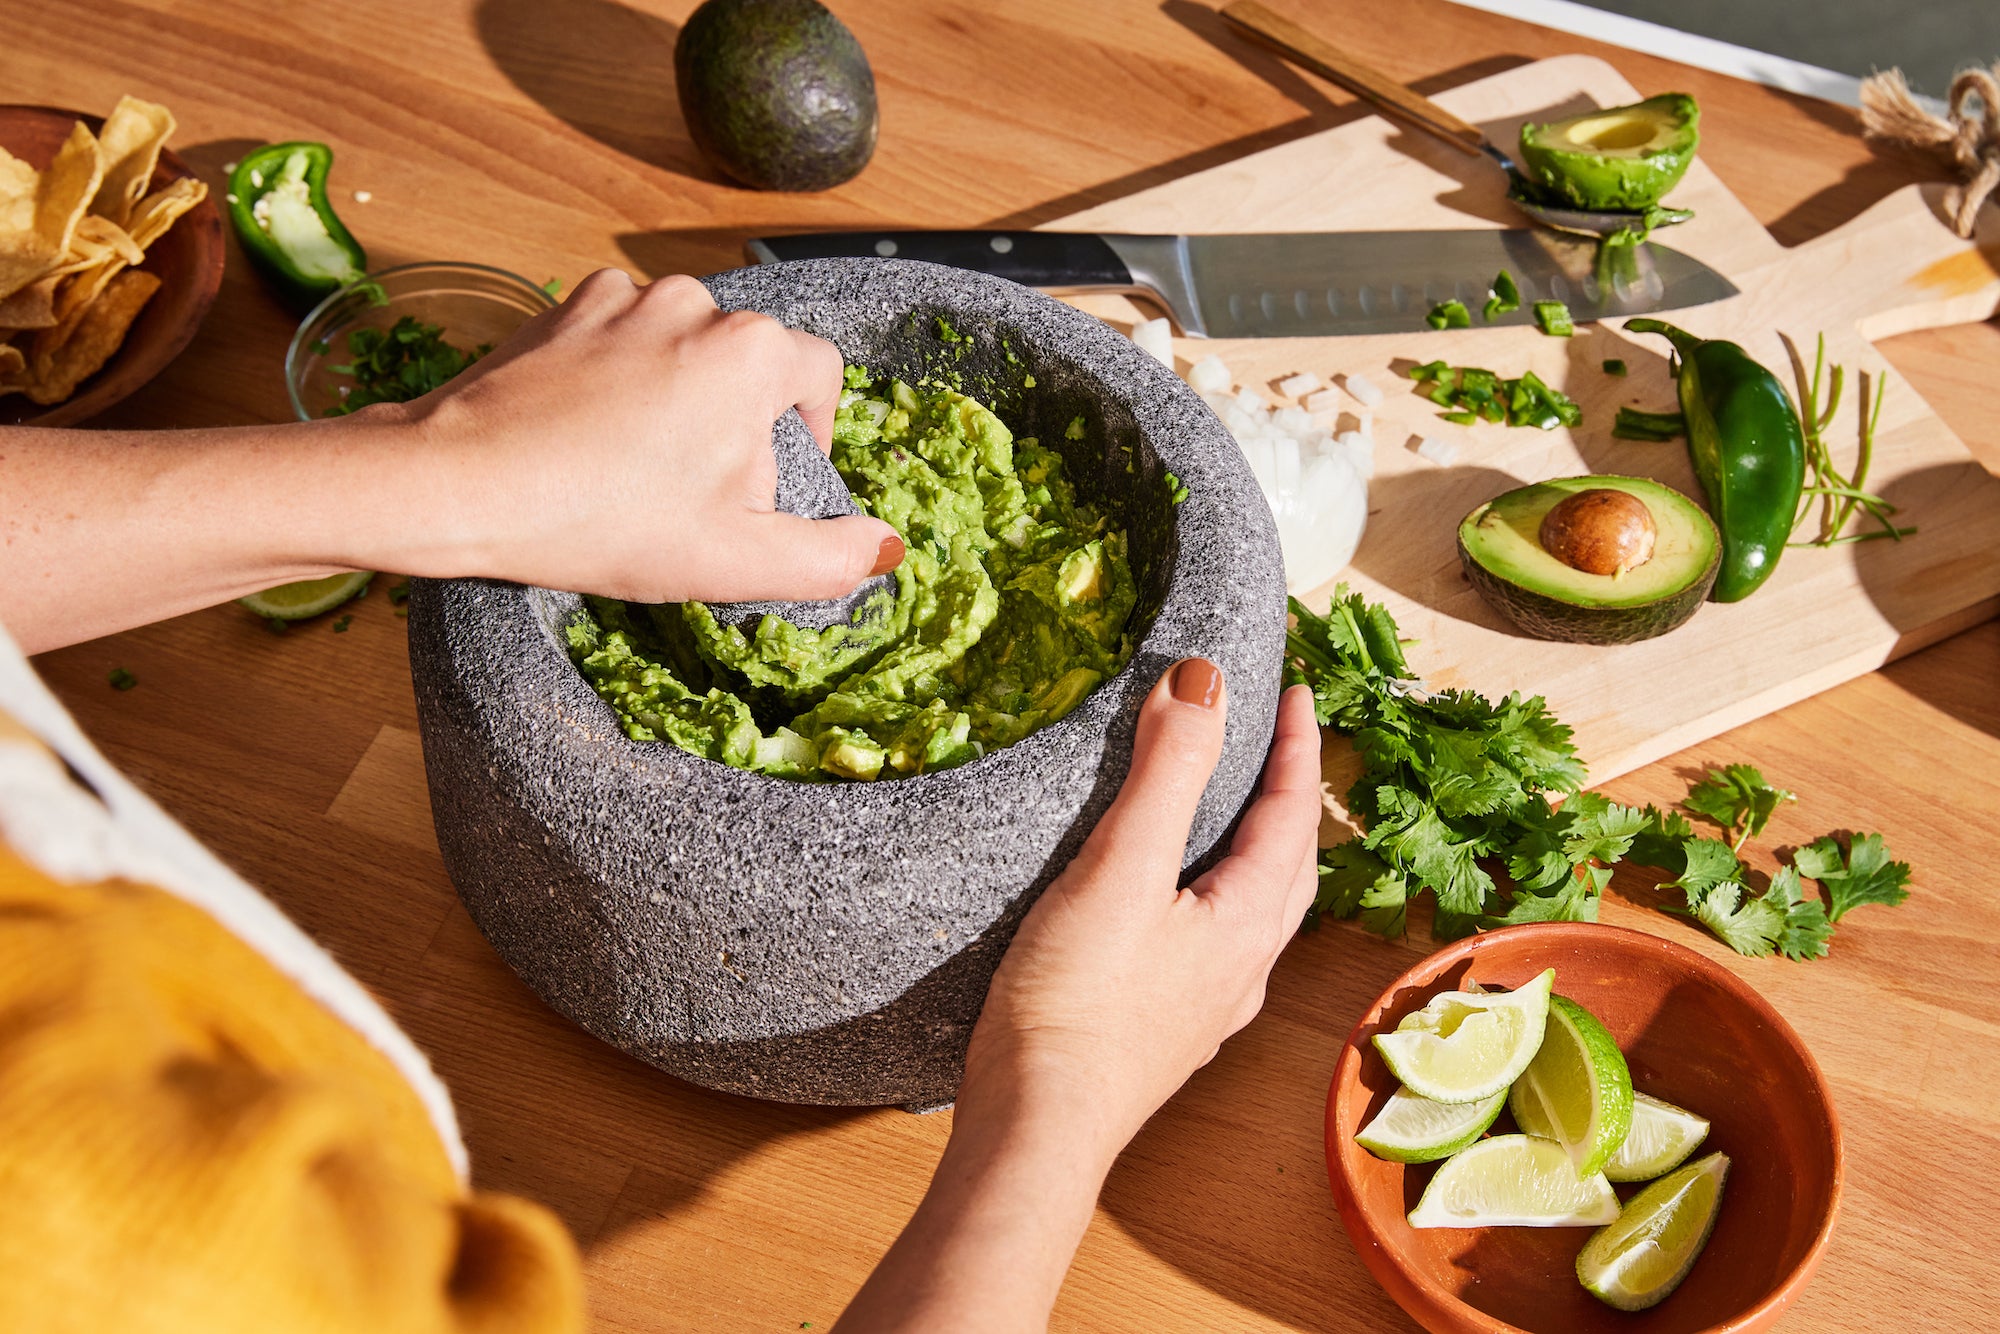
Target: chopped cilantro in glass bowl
(403, 331)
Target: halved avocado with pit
(1591, 560)
(1617, 158)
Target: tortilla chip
(74, 294)
(129, 147)
(95, 234)
(157, 211)
(60, 196)
(17, 193)
(97, 335)
(32, 307)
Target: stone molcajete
(832, 942)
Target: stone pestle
(808, 485)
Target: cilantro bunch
(1449, 780)
(1455, 791)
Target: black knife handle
(1035, 259)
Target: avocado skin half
(1545, 617)
(777, 94)
(1613, 180)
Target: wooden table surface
(543, 137)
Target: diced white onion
(1315, 484)
(1210, 376)
(1441, 452)
(1360, 451)
(1320, 520)
(1366, 392)
(1157, 337)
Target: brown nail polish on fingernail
(1196, 681)
(889, 557)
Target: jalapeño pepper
(1748, 449)
(277, 200)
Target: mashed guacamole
(1012, 603)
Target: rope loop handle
(1969, 135)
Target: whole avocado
(777, 93)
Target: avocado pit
(1600, 531)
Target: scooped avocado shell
(1501, 544)
(776, 93)
(1617, 158)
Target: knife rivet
(885, 247)
(1001, 244)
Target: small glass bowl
(472, 303)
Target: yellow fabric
(189, 1143)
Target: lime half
(1643, 1256)
(1577, 1091)
(1514, 1181)
(308, 597)
(1662, 1137)
(1413, 1129)
(1466, 1046)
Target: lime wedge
(1514, 1181)
(1466, 1046)
(1577, 1091)
(1643, 1256)
(1662, 1137)
(308, 597)
(1411, 1129)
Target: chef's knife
(1292, 284)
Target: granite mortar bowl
(832, 942)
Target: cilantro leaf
(1747, 925)
(1535, 859)
(1736, 798)
(1706, 863)
(1599, 829)
(1574, 901)
(1863, 874)
(1347, 872)
(1413, 835)
(1807, 930)
(1658, 842)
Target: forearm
(986, 1251)
(103, 530)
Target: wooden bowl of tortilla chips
(110, 255)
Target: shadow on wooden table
(602, 67)
(605, 1140)
(1229, 1182)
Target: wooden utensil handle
(1322, 58)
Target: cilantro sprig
(1454, 800)
(1736, 797)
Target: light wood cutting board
(1825, 616)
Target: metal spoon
(1319, 56)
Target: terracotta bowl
(1694, 1034)
(187, 261)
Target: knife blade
(1302, 284)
